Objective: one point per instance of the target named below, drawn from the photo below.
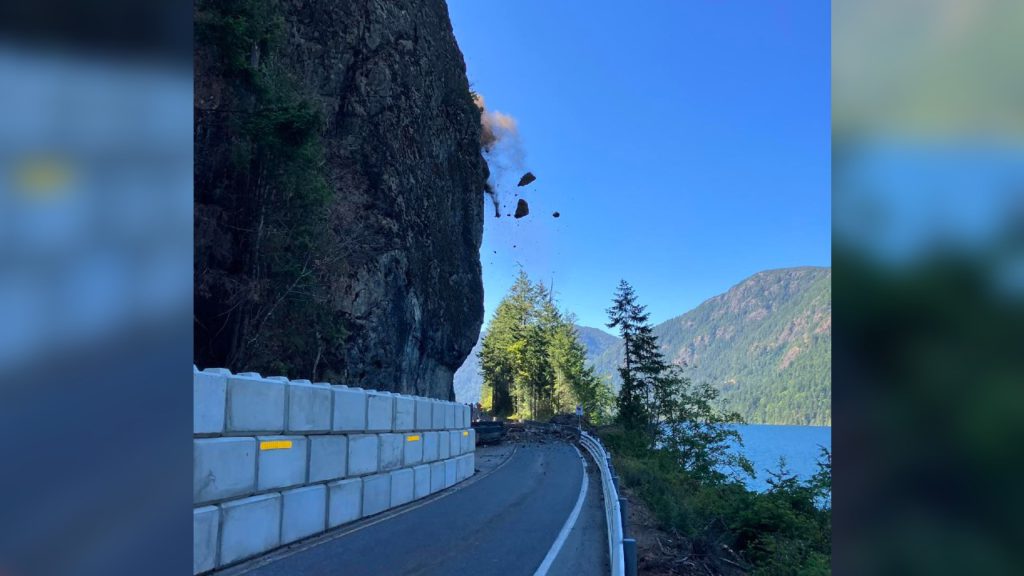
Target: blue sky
(686, 145)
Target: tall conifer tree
(643, 363)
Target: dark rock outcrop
(402, 160)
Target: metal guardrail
(619, 547)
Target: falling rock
(522, 208)
(527, 178)
(556, 214)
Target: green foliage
(695, 431)
(658, 401)
(777, 532)
(642, 364)
(267, 252)
(766, 345)
(532, 362)
(674, 448)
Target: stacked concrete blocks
(276, 461)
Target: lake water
(799, 445)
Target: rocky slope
(387, 292)
(766, 344)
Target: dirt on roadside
(662, 553)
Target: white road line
(569, 523)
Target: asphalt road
(502, 522)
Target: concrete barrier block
(472, 440)
(222, 468)
(449, 415)
(465, 467)
(436, 477)
(250, 526)
(391, 449)
(412, 449)
(450, 469)
(444, 443)
(376, 494)
(402, 483)
(421, 481)
(255, 404)
(362, 454)
(437, 421)
(309, 407)
(456, 440)
(303, 512)
(405, 413)
(328, 458)
(380, 411)
(282, 462)
(223, 371)
(460, 468)
(431, 446)
(349, 409)
(466, 416)
(209, 394)
(465, 445)
(344, 501)
(205, 526)
(423, 413)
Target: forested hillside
(766, 344)
(597, 341)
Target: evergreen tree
(643, 368)
(532, 362)
(658, 400)
(575, 382)
(499, 356)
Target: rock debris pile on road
(531, 432)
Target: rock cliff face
(400, 139)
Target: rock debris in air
(522, 208)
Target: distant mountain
(467, 377)
(766, 344)
(596, 340)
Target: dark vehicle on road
(489, 432)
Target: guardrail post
(629, 555)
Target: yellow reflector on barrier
(413, 438)
(275, 444)
(465, 432)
